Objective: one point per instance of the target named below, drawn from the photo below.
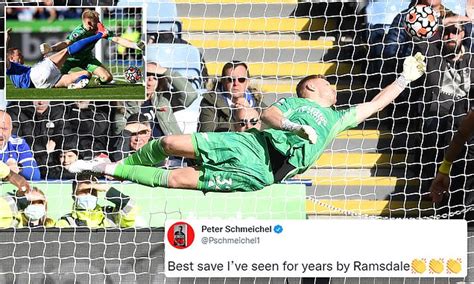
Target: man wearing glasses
(301, 128)
(246, 117)
(136, 134)
(219, 105)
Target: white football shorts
(45, 74)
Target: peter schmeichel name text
(236, 229)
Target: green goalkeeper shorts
(232, 161)
(87, 63)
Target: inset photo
(74, 53)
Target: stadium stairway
(364, 171)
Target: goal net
(381, 169)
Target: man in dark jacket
(90, 125)
(443, 94)
(217, 107)
(64, 155)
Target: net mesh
(382, 169)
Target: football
(421, 22)
(133, 74)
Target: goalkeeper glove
(303, 131)
(45, 48)
(414, 67)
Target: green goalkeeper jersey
(80, 33)
(327, 122)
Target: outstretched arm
(440, 184)
(45, 48)
(413, 68)
(274, 118)
(128, 43)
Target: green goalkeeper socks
(149, 155)
(149, 176)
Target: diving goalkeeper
(302, 127)
(85, 59)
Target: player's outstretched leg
(151, 154)
(74, 80)
(156, 151)
(146, 175)
(80, 82)
(60, 57)
(150, 176)
(79, 45)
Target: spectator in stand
(87, 213)
(445, 94)
(15, 152)
(61, 159)
(41, 125)
(246, 117)
(217, 106)
(398, 44)
(137, 133)
(167, 92)
(91, 126)
(49, 14)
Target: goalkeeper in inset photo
(299, 131)
(85, 59)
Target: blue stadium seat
(183, 58)
(457, 6)
(163, 18)
(381, 13)
(125, 3)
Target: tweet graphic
(310, 248)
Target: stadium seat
(457, 6)
(125, 3)
(183, 58)
(380, 15)
(164, 17)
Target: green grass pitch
(119, 91)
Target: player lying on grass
(85, 58)
(46, 74)
(302, 127)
